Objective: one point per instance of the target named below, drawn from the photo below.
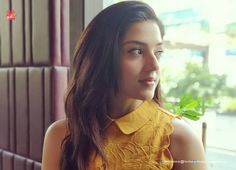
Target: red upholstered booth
(34, 64)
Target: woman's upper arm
(52, 145)
(186, 148)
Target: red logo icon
(11, 15)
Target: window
(201, 46)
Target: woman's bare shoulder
(186, 146)
(181, 130)
(57, 131)
(58, 128)
(52, 146)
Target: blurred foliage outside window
(197, 81)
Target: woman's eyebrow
(140, 43)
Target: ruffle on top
(138, 141)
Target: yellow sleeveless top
(137, 141)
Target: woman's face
(140, 51)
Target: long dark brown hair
(95, 80)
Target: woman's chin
(146, 96)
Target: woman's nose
(151, 62)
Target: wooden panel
(5, 35)
(76, 23)
(36, 112)
(19, 162)
(7, 161)
(37, 166)
(65, 32)
(22, 120)
(0, 44)
(18, 33)
(12, 116)
(28, 33)
(41, 32)
(29, 164)
(47, 97)
(1, 159)
(55, 31)
(4, 119)
(59, 77)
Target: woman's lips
(148, 81)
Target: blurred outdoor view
(200, 59)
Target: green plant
(188, 107)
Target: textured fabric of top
(137, 141)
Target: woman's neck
(122, 106)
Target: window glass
(200, 58)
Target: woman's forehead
(146, 32)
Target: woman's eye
(158, 54)
(136, 51)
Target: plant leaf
(185, 100)
(195, 118)
(192, 113)
(192, 104)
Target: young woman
(113, 103)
